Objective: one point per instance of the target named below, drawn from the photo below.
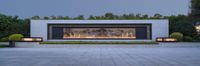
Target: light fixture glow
(27, 39)
(166, 39)
(34, 39)
(170, 39)
(197, 28)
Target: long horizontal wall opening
(99, 31)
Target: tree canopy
(12, 24)
(195, 8)
(106, 16)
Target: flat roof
(99, 21)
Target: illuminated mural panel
(99, 33)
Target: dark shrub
(5, 39)
(177, 35)
(187, 38)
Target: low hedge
(4, 39)
(187, 39)
(15, 37)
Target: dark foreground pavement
(101, 56)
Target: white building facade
(99, 30)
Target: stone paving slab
(160, 45)
(100, 56)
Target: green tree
(145, 16)
(25, 27)
(5, 22)
(35, 17)
(91, 18)
(45, 17)
(184, 27)
(124, 16)
(128, 16)
(173, 21)
(60, 17)
(195, 8)
(12, 24)
(109, 16)
(66, 18)
(53, 17)
(132, 16)
(80, 17)
(138, 16)
(157, 16)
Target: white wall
(160, 28)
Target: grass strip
(92, 42)
(3, 46)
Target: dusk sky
(28, 8)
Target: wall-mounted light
(159, 39)
(170, 39)
(166, 39)
(32, 39)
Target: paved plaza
(164, 54)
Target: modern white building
(99, 30)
